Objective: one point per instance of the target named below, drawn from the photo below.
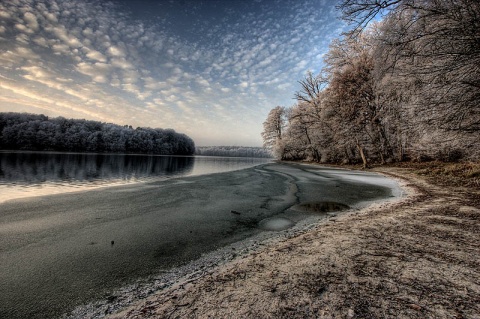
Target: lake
(26, 174)
(151, 215)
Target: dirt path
(418, 258)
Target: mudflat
(414, 258)
(64, 250)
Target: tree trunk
(316, 155)
(362, 154)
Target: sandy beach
(414, 258)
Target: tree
(433, 47)
(233, 151)
(307, 119)
(361, 12)
(273, 129)
(37, 132)
(407, 86)
(352, 97)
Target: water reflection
(25, 174)
(33, 168)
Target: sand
(414, 258)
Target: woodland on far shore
(37, 132)
(404, 88)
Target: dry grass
(464, 174)
(452, 174)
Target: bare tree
(361, 12)
(435, 45)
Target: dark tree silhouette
(233, 151)
(22, 131)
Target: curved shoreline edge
(416, 258)
(130, 297)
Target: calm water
(26, 174)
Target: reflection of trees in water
(45, 167)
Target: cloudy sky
(212, 69)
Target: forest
(22, 131)
(233, 151)
(403, 84)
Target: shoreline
(105, 240)
(414, 258)
(129, 296)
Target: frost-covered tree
(306, 119)
(357, 112)
(429, 51)
(407, 86)
(273, 129)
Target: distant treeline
(22, 131)
(233, 151)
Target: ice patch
(275, 223)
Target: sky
(211, 69)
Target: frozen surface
(276, 223)
(61, 251)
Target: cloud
(27, 93)
(31, 20)
(301, 66)
(130, 76)
(23, 39)
(4, 14)
(22, 28)
(22, 54)
(121, 63)
(61, 49)
(99, 72)
(63, 35)
(132, 88)
(203, 82)
(51, 17)
(41, 42)
(153, 84)
(115, 52)
(95, 55)
(35, 72)
(185, 108)
(91, 58)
